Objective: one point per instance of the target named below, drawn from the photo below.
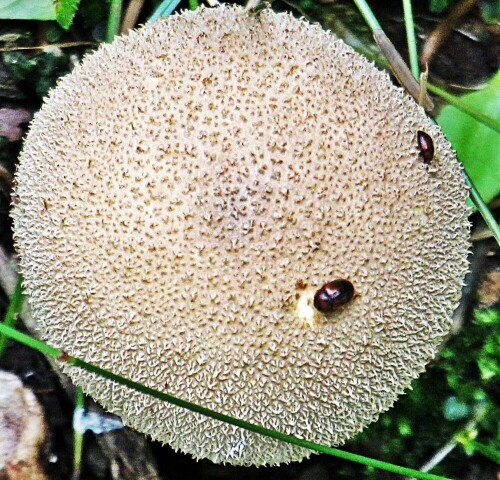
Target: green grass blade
(63, 356)
(368, 14)
(78, 436)
(485, 450)
(410, 38)
(15, 306)
(483, 209)
(193, 4)
(164, 9)
(114, 20)
(490, 122)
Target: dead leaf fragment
(10, 121)
(22, 430)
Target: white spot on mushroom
(306, 312)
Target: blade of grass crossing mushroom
(15, 305)
(114, 20)
(410, 37)
(164, 9)
(65, 357)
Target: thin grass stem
(114, 20)
(410, 38)
(65, 357)
(368, 14)
(15, 305)
(475, 113)
(483, 208)
(78, 437)
(485, 450)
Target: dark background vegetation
(455, 402)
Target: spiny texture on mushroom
(185, 191)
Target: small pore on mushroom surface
(200, 173)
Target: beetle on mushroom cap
(204, 177)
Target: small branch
(131, 15)
(57, 45)
(78, 437)
(401, 70)
(443, 30)
(483, 208)
(164, 9)
(439, 456)
(474, 112)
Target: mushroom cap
(184, 192)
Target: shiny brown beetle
(425, 146)
(333, 295)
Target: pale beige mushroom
(187, 189)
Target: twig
(401, 70)
(57, 45)
(77, 437)
(483, 208)
(443, 30)
(131, 15)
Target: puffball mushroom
(186, 190)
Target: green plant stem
(483, 208)
(65, 357)
(15, 306)
(114, 20)
(193, 4)
(473, 112)
(164, 9)
(485, 450)
(78, 436)
(410, 38)
(368, 15)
